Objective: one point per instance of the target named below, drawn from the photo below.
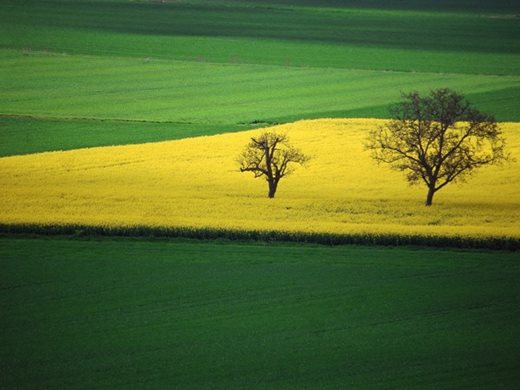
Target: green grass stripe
(256, 51)
(341, 25)
(25, 134)
(467, 38)
(138, 89)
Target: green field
(186, 314)
(118, 72)
(22, 135)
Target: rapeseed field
(195, 183)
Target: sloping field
(79, 101)
(103, 72)
(384, 35)
(120, 314)
(197, 92)
(195, 183)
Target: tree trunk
(272, 188)
(429, 197)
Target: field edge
(206, 233)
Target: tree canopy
(437, 139)
(271, 156)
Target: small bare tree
(437, 139)
(271, 156)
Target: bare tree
(437, 139)
(271, 156)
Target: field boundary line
(203, 233)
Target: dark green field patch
(129, 313)
(342, 25)
(471, 6)
(498, 102)
(276, 34)
(23, 135)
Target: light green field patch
(141, 89)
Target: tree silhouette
(270, 155)
(437, 139)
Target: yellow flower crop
(196, 183)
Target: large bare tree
(437, 139)
(270, 155)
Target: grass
(25, 134)
(195, 92)
(248, 61)
(77, 101)
(186, 314)
(108, 27)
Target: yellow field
(196, 183)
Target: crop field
(195, 183)
(171, 99)
(196, 315)
(120, 72)
(126, 118)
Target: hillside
(91, 73)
